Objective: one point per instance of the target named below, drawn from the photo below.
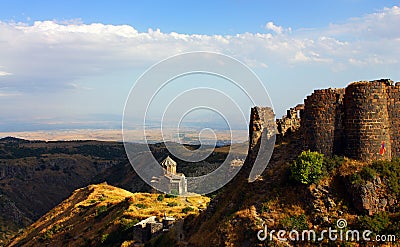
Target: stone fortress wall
(352, 122)
(262, 122)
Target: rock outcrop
(372, 197)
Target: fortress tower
(367, 122)
(322, 121)
(356, 121)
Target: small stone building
(150, 228)
(169, 165)
(173, 181)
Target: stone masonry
(354, 121)
(291, 121)
(262, 122)
(322, 121)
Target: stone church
(176, 183)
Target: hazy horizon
(62, 67)
(153, 136)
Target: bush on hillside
(388, 171)
(307, 168)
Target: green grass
(172, 204)
(140, 205)
(388, 171)
(187, 209)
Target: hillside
(240, 209)
(361, 193)
(309, 185)
(345, 194)
(35, 176)
(103, 215)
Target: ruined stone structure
(355, 121)
(151, 227)
(291, 121)
(262, 123)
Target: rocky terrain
(103, 215)
(35, 176)
(365, 194)
(300, 190)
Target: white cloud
(277, 29)
(4, 73)
(379, 25)
(50, 56)
(271, 26)
(9, 94)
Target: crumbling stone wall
(290, 123)
(354, 121)
(262, 122)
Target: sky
(71, 65)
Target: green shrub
(170, 196)
(47, 235)
(388, 171)
(368, 173)
(307, 168)
(174, 193)
(100, 210)
(127, 224)
(298, 222)
(378, 223)
(187, 209)
(104, 237)
(50, 232)
(330, 165)
(172, 204)
(356, 178)
(264, 208)
(141, 205)
(160, 198)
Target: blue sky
(200, 17)
(71, 64)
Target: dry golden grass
(351, 166)
(153, 207)
(102, 207)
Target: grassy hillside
(99, 215)
(35, 176)
(240, 209)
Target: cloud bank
(50, 71)
(49, 55)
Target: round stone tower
(321, 122)
(366, 123)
